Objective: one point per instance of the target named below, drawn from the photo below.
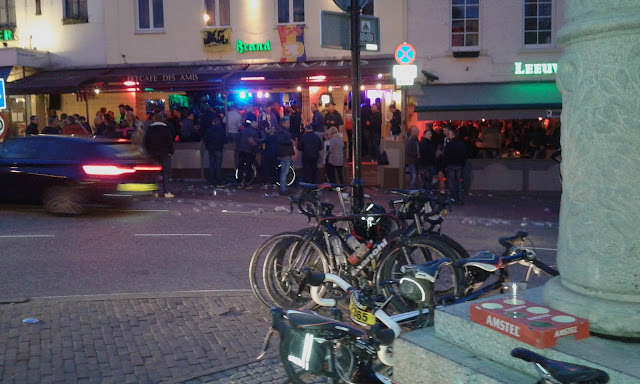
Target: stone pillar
(599, 237)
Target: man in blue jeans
(285, 152)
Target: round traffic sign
(345, 5)
(405, 53)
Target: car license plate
(361, 317)
(137, 187)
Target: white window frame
(553, 25)
(473, 48)
(290, 21)
(216, 23)
(8, 23)
(79, 17)
(151, 29)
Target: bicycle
(253, 172)
(354, 245)
(475, 272)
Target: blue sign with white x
(405, 53)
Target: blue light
(243, 95)
(250, 94)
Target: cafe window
(7, 13)
(465, 23)
(75, 11)
(368, 9)
(217, 13)
(150, 16)
(290, 11)
(537, 22)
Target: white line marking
(265, 235)
(173, 234)
(145, 210)
(24, 236)
(147, 293)
(546, 249)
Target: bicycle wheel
(291, 175)
(417, 251)
(455, 246)
(249, 177)
(260, 256)
(313, 367)
(282, 271)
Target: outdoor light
(379, 86)
(325, 99)
(299, 88)
(260, 94)
(97, 90)
(266, 95)
(346, 87)
(330, 88)
(539, 118)
(243, 95)
(317, 78)
(206, 18)
(130, 83)
(379, 75)
(250, 94)
(362, 87)
(252, 78)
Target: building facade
(146, 53)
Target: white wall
(69, 45)
(501, 41)
(252, 21)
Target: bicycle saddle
(309, 321)
(407, 192)
(484, 260)
(565, 373)
(319, 187)
(427, 271)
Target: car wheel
(64, 200)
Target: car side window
(19, 149)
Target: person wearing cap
(247, 148)
(285, 152)
(309, 146)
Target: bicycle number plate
(360, 316)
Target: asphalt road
(188, 244)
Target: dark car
(68, 173)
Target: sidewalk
(168, 338)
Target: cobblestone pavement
(116, 339)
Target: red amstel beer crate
(528, 322)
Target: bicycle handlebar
(514, 241)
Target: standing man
(375, 130)
(233, 120)
(455, 157)
(365, 118)
(309, 146)
(121, 116)
(317, 121)
(158, 143)
(52, 128)
(285, 152)
(247, 148)
(396, 120)
(412, 156)
(427, 159)
(32, 128)
(215, 137)
(296, 122)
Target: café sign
(535, 69)
(243, 47)
(164, 77)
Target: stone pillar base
(606, 317)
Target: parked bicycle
(351, 246)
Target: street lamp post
(358, 192)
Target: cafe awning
(521, 100)
(67, 81)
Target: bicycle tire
(291, 176)
(250, 177)
(457, 247)
(292, 343)
(282, 267)
(427, 249)
(256, 266)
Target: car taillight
(106, 170)
(148, 168)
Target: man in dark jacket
(215, 137)
(247, 149)
(412, 156)
(285, 152)
(375, 131)
(455, 157)
(158, 142)
(296, 122)
(427, 159)
(32, 128)
(269, 152)
(317, 121)
(396, 120)
(309, 146)
(52, 128)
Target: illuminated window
(218, 12)
(537, 22)
(150, 15)
(7, 13)
(368, 9)
(465, 20)
(75, 10)
(290, 11)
